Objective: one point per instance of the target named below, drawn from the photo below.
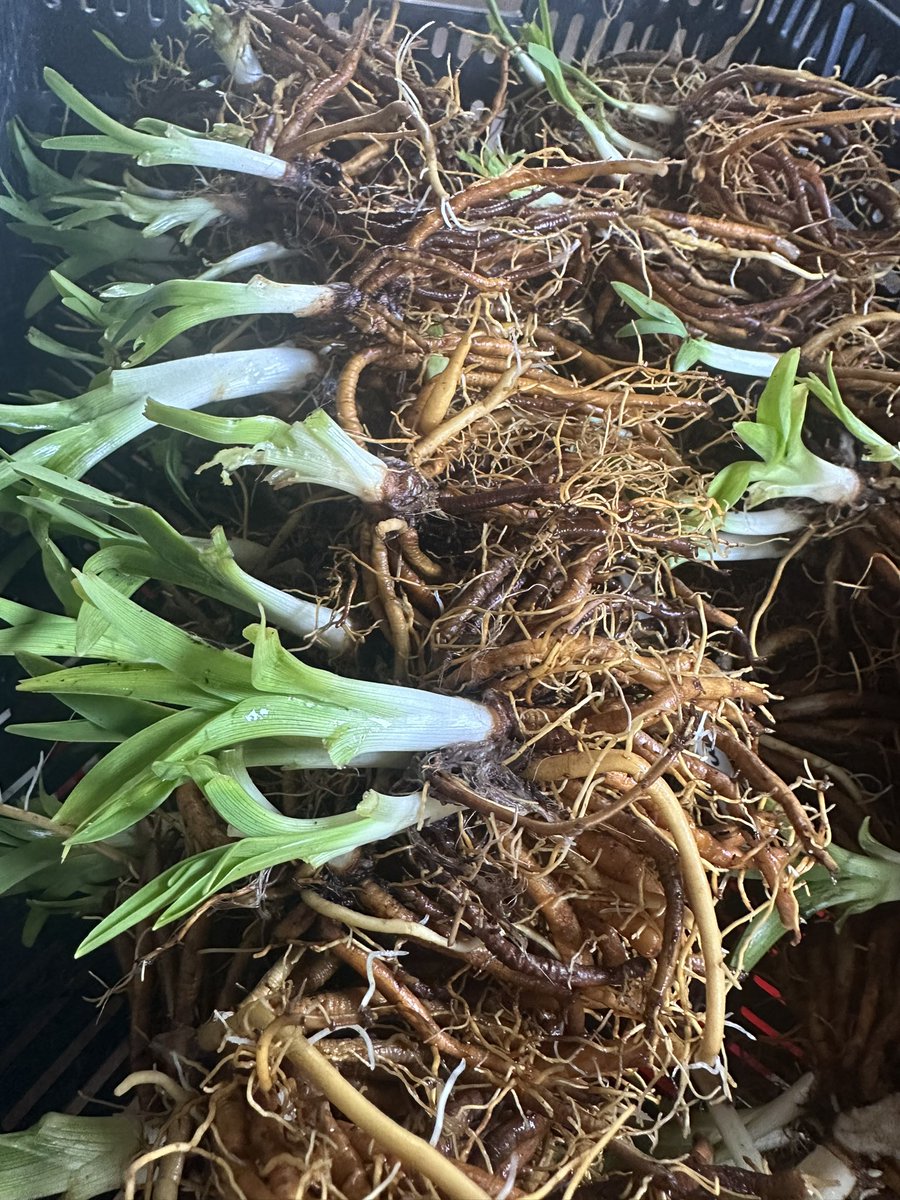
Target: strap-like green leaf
(879, 448)
(49, 635)
(645, 306)
(221, 672)
(125, 681)
(79, 732)
(122, 715)
(177, 892)
(111, 784)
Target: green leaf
(645, 306)
(57, 568)
(49, 635)
(21, 860)
(168, 453)
(49, 345)
(315, 450)
(129, 310)
(124, 682)
(873, 849)
(79, 732)
(120, 713)
(879, 448)
(546, 24)
(91, 624)
(121, 137)
(156, 143)
(177, 892)
(219, 672)
(147, 60)
(776, 407)
(690, 352)
(83, 1157)
(646, 327)
(730, 484)
(31, 864)
(122, 789)
(78, 301)
(546, 59)
(761, 438)
(42, 179)
(498, 26)
(227, 785)
(788, 468)
(225, 431)
(153, 549)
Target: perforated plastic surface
(862, 36)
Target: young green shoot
(654, 114)
(492, 162)
(315, 450)
(658, 319)
(149, 548)
(91, 426)
(537, 59)
(269, 840)
(785, 469)
(864, 881)
(155, 143)
(214, 700)
(230, 35)
(130, 310)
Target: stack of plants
(473, 534)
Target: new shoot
(658, 319)
(148, 547)
(864, 881)
(91, 426)
(786, 469)
(209, 700)
(568, 86)
(315, 450)
(155, 143)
